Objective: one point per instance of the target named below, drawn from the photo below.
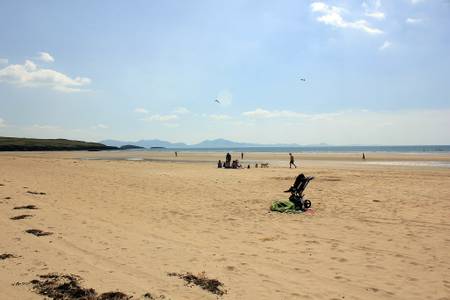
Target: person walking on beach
(176, 154)
(242, 155)
(364, 156)
(291, 161)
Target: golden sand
(375, 231)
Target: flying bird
(302, 79)
(217, 101)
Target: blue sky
(377, 72)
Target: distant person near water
(176, 154)
(242, 155)
(364, 156)
(291, 161)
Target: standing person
(176, 154)
(228, 160)
(364, 156)
(291, 161)
(242, 155)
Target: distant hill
(130, 147)
(145, 143)
(217, 143)
(28, 144)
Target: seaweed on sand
(6, 256)
(26, 207)
(38, 232)
(211, 285)
(67, 287)
(21, 217)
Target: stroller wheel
(307, 204)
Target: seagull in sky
(217, 101)
(303, 79)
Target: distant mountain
(217, 143)
(144, 143)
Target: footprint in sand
(339, 259)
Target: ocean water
(322, 149)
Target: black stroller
(297, 190)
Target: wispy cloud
(30, 75)
(385, 45)
(220, 117)
(3, 61)
(374, 11)
(141, 110)
(181, 110)
(332, 15)
(101, 126)
(2, 123)
(45, 127)
(260, 113)
(160, 118)
(45, 57)
(413, 20)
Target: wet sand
(374, 232)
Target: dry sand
(375, 231)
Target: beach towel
(284, 207)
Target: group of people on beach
(235, 164)
(228, 164)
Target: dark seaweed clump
(38, 232)
(67, 287)
(211, 285)
(36, 193)
(26, 207)
(21, 217)
(6, 256)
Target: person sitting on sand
(219, 164)
(291, 161)
(236, 164)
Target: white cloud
(2, 123)
(220, 117)
(45, 57)
(3, 61)
(30, 75)
(45, 127)
(375, 11)
(376, 14)
(101, 126)
(332, 15)
(160, 118)
(181, 110)
(416, 1)
(141, 110)
(225, 97)
(262, 113)
(413, 20)
(385, 45)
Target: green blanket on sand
(284, 207)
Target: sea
(321, 149)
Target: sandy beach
(378, 229)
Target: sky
(376, 71)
